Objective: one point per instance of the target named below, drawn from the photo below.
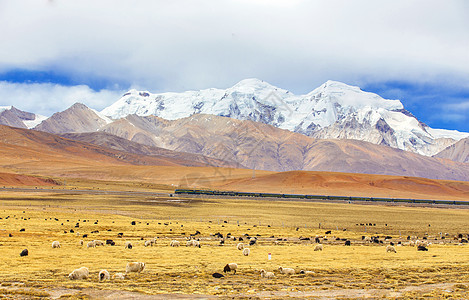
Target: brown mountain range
(264, 147)
(247, 144)
(21, 148)
(30, 152)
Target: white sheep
(265, 274)
(230, 267)
(148, 243)
(55, 244)
(421, 243)
(135, 267)
(246, 251)
(91, 244)
(240, 246)
(287, 271)
(104, 275)
(318, 247)
(118, 276)
(81, 273)
(190, 243)
(196, 243)
(98, 243)
(390, 248)
(128, 245)
(174, 243)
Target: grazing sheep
(252, 241)
(118, 276)
(390, 248)
(246, 251)
(128, 245)
(287, 271)
(217, 275)
(190, 243)
(265, 274)
(55, 244)
(98, 243)
(422, 248)
(24, 252)
(240, 246)
(135, 267)
(230, 267)
(174, 243)
(196, 243)
(148, 243)
(421, 243)
(310, 273)
(91, 244)
(81, 273)
(104, 275)
(318, 247)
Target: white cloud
(461, 107)
(179, 45)
(46, 98)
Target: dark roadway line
(82, 192)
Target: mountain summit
(333, 110)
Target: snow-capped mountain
(333, 110)
(11, 116)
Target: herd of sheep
(103, 275)
(83, 272)
(243, 245)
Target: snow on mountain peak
(253, 84)
(3, 108)
(333, 110)
(353, 96)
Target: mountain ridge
(333, 110)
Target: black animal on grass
(422, 248)
(24, 252)
(217, 275)
(347, 243)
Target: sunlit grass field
(340, 271)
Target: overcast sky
(54, 53)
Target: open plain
(361, 270)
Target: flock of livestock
(193, 241)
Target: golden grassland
(360, 270)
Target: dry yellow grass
(355, 271)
